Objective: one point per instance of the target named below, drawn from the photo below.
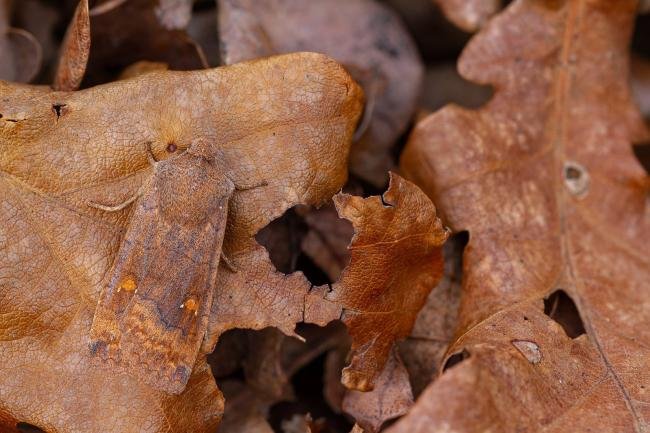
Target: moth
(153, 314)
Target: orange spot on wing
(127, 284)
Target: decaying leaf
(395, 261)
(391, 398)
(469, 15)
(60, 149)
(545, 181)
(74, 51)
(127, 32)
(20, 52)
(363, 35)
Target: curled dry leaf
(74, 51)
(57, 251)
(20, 52)
(363, 35)
(545, 181)
(391, 398)
(395, 261)
(469, 15)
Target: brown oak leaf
(395, 261)
(363, 35)
(60, 149)
(545, 181)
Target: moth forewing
(152, 315)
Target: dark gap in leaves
(641, 36)
(28, 428)
(203, 5)
(436, 38)
(314, 274)
(462, 238)
(560, 307)
(455, 359)
(227, 358)
(282, 238)
(642, 153)
(304, 382)
(360, 187)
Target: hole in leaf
(455, 359)
(283, 239)
(58, 109)
(560, 307)
(642, 153)
(576, 178)
(572, 173)
(28, 428)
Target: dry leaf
(424, 350)
(395, 261)
(127, 32)
(469, 15)
(57, 251)
(20, 52)
(545, 181)
(391, 398)
(74, 51)
(363, 35)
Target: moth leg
(107, 208)
(226, 261)
(115, 208)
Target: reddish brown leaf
(363, 35)
(74, 51)
(391, 398)
(424, 350)
(545, 181)
(395, 261)
(57, 251)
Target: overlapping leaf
(545, 181)
(60, 149)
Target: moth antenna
(115, 208)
